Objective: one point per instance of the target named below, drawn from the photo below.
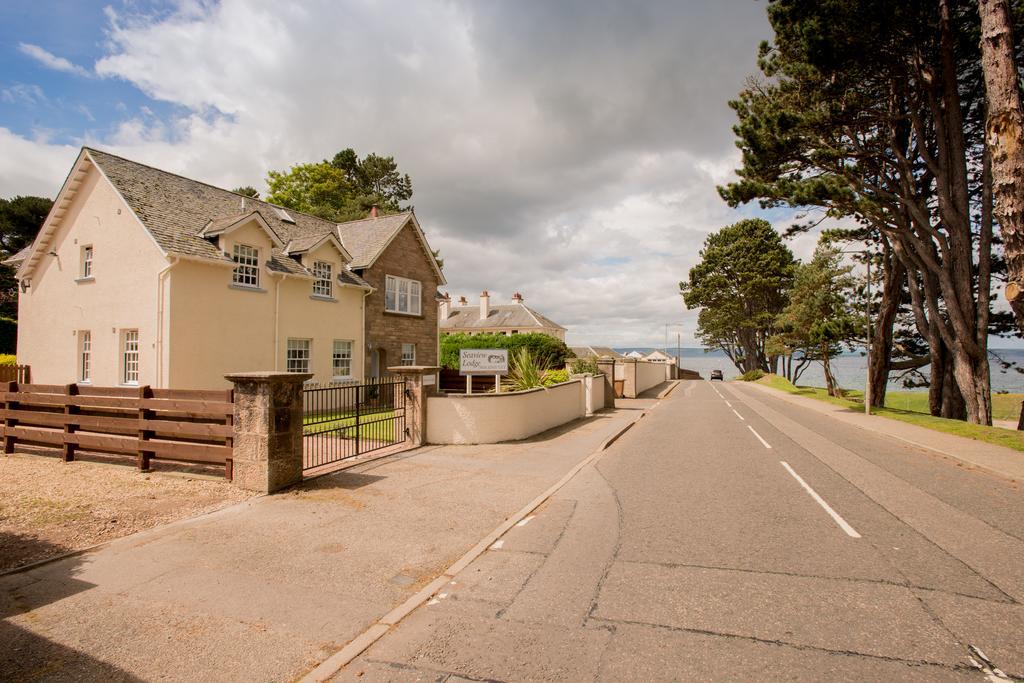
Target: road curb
(333, 664)
(953, 456)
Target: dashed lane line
(739, 416)
(760, 438)
(843, 524)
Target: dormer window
(323, 285)
(247, 266)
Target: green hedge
(8, 359)
(8, 335)
(548, 351)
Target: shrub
(545, 351)
(8, 359)
(752, 375)
(523, 371)
(583, 366)
(555, 377)
(8, 335)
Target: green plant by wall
(555, 377)
(545, 350)
(523, 371)
(583, 366)
(8, 335)
(8, 359)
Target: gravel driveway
(49, 507)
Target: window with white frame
(402, 295)
(323, 285)
(341, 359)
(87, 261)
(130, 357)
(408, 354)
(297, 358)
(247, 266)
(84, 356)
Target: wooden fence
(15, 373)
(152, 424)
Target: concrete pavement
(732, 535)
(267, 589)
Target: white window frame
(87, 257)
(130, 357)
(341, 358)
(408, 354)
(323, 285)
(247, 266)
(85, 356)
(298, 355)
(402, 295)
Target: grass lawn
(1008, 408)
(373, 425)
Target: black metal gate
(342, 421)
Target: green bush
(545, 351)
(555, 377)
(583, 366)
(8, 359)
(8, 335)
(752, 375)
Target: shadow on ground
(28, 656)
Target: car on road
(716, 374)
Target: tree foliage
(740, 285)
(248, 191)
(20, 220)
(344, 188)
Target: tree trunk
(894, 278)
(830, 382)
(1004, 136)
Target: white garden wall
(649, 375)
(491, 418)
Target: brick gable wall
(404, 257)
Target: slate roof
(365, 238)
(595, 352)
(517, 316)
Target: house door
(378, 363)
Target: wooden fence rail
(189, 426)
(15, 373)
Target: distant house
(659, 357)
(595, 352)
(513, 318)
(635, 354)
(143, 277)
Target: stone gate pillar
(421, 382)
(268, 429)
(607, 368)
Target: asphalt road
(731, 535)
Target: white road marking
(759, 438)
(727, 403)
(843, 524)
(740, 417)
(498, 544)
(525, 521)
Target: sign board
(428, 380)
(483, 361)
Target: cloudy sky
(569, 150)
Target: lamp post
(668, 325)
(867, 316)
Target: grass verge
(373, 425)
(854, 401)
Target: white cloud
(566, 150)
(23, 93)
(52, 61)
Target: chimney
(445, 306)
(517, 297)
(485, 305)
(373, 211)
(462, 301)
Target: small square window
(247, 266)
(408, 354)
(298, 356)
(323, 285)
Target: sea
(850, 369)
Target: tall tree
(248, 191)
(1004, 135)
(819, 316)
(872, 109)
(20, 220)
(342, 189)
(740, 286)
